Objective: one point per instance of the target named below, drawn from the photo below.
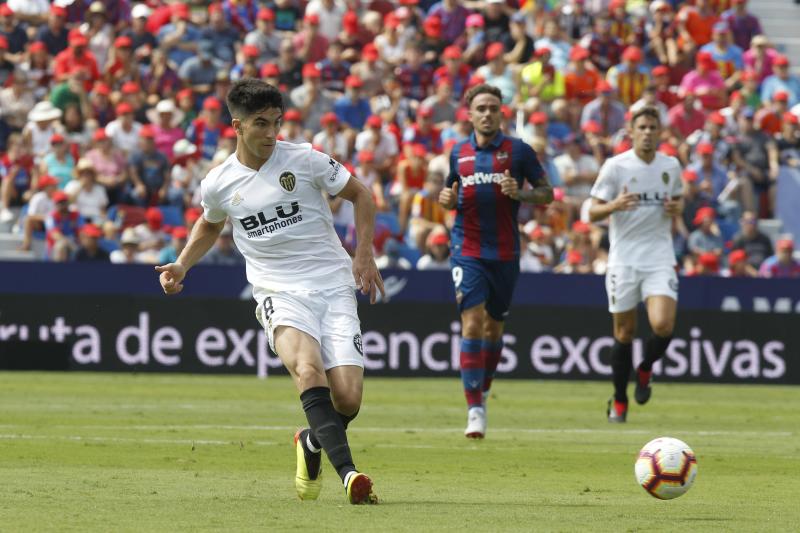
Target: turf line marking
(356, 429)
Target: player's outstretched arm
(368, 278)
(204, 235)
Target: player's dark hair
(646, 111)
(482, 88)
(250, 95)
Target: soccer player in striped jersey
(641, 192)
(485, 186)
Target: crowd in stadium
(111, 113)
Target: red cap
(706, 60)
(374, 121)
(350, 22)
(192, 214)
(705, 148)
(709, 260)
(632, 53)
(780, 96)
(184, 93)
(123, 41)
(574, 257)
(781, 61)
(270, 70)
(58, 11)
(311, 18)
(123, 108)
(181, 11)
(716, 118)
(558, 194)
(425, 111)
(439, 238)
(130, 87)
(147, 131)
(578, 53)
(99, 135)
(689, 175)
(736, 257)
(250, 50)
(5, 11)
(604, 87)
(784, 244)
(579, 226)
(736, 95)
(180, 232)
(266, 13)
(539, 52)
(749, 75)
(76, 38)
(56, 138)
(153, 214)
(452, 52)
(419, 150)
(370, 52)
(310, 70)
(46, 181)
(538, 117)
(37, 46)
(101, 88)
(214, 8)
(229, 133)
(704, 213)
(790, 118)
(592, 126)
(668, 149)
(660, 70)
(366, 156)
(90, 230)
(353, 81)
(506, 111)
(60, 196)
(462, 114)
(494, 51)
(329, 118)
(433, 27)
(212, 103)
(292, 115)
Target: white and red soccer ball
(666, 468)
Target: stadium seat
(173, 215)
(388, 220)
(127, 215)
(412, 254)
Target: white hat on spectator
(165, 106)
(140, 11)
(44, 111)
(129, 237)
(183, 147)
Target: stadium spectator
(755, 155)
(706, 237)
(89, 245)
(738, 266)
(206, 130)
(760, 57)
(553, 41)
(40, 205)
(756, 245)
(330, 139)
(58, 163)
(605, 50)
(497, 73)
(148, 170)
(170, 252)
(605, 110)
(292, 130)
(89, 197)
(781, 80)
(782, 264)
(165, 119)
(61, 227)
(631, 77)
(179, 37)
(224, 251)
(539, 79)
(128, 252)
(19, 175)
(352, 108)
(577, 170)
(686, 118)
(437, 251)
(426, 213)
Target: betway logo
(481, 177)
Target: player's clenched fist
(626, 201)
(172, 275)
(509, 186)
(449, 197)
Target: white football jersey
(281, 220)
(642, 237)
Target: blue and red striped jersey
(486, 219)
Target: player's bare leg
(492, 348)
(300, 353)
(661, 311)
(621, 363)
(473, 369)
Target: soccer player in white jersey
(641, 190)
(303, 281)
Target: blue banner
(574, 290)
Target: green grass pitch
(110, 452)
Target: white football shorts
(627, 286)
(330, 316)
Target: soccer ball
(666, 468)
